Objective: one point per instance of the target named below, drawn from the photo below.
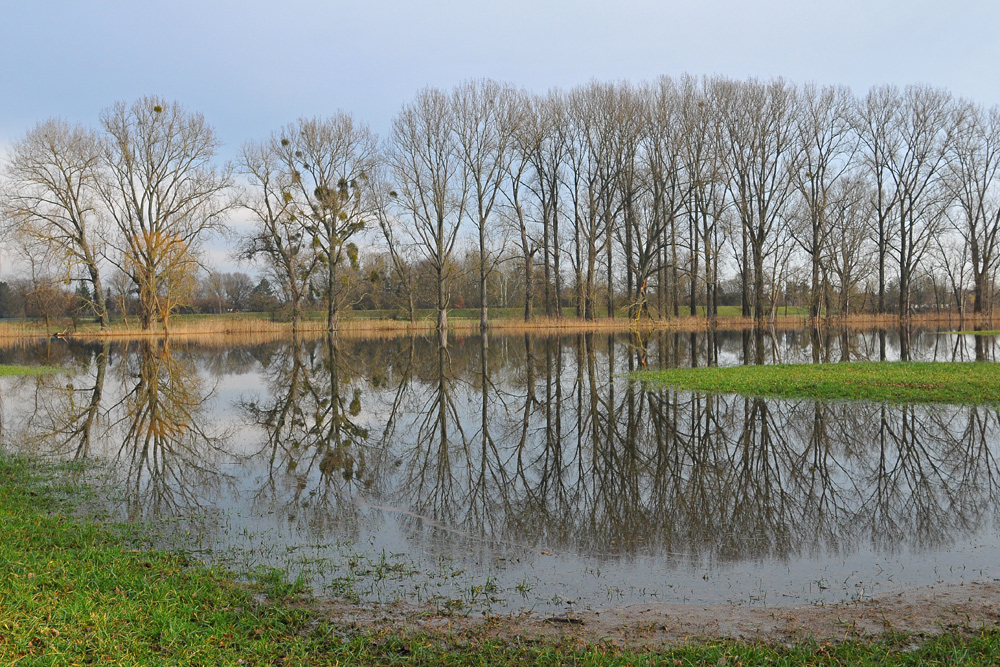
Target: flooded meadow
(509, 473)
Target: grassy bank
(73, 592)
(894, 382)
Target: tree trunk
(483, 321)
(881, 268)
(814, 296)
(547, 287)
(611, 289)
(692, 231)
(555, 258)
(100, 306)
(758, 283)
(629, 281)
(978, 290)
(745, 287)
(675, 295)
(529, 287)
(331, 306)
(296, 313)
(442, 313)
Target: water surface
(527, 472)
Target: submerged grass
(27, 370)
(893, 382)
(74, 592)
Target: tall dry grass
(250, 329)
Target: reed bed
(23, 330)
(889, 321)
(259, 329)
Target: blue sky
(252, 66)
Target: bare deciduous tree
(972, 181)
(431, 184)
(757, 125)
(848, 258)
(49, 195)
(923, 127)
(826, 145)
(279, 235)
(484, 113)
(328, 163)
(163, 194)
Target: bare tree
(848, 258)
(665, 195)
(328, 162)
(633, 121)
(826, 145)
(593, 163)
(546, 155)
(49, 195)
(484, 113)
(949, 255)
(924, 126)
(757, 124)
(702, 160)
(877, 143)
(906, 138)
(214, 289)
(526, 137)
(279, 235)
(45, 296)
(431, 183)
(401, 267)
(163, 195)
(972, 181)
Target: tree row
(657, 199)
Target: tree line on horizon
(658, 199)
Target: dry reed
(251, 330)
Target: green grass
(893, 382)
(27, 370)
(983, 332)
(455, 313)
(73, 592)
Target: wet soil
(917, 613)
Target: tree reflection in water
(537, 443)
(69, 417)
(152, 427)
(169, 447)
(314, 448)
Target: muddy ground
(918, 613)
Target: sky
(250, 67)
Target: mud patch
(918, 613)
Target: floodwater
(515, 473)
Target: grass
(74, 592)
(892, 382)
(27, 370)
(982, 332)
